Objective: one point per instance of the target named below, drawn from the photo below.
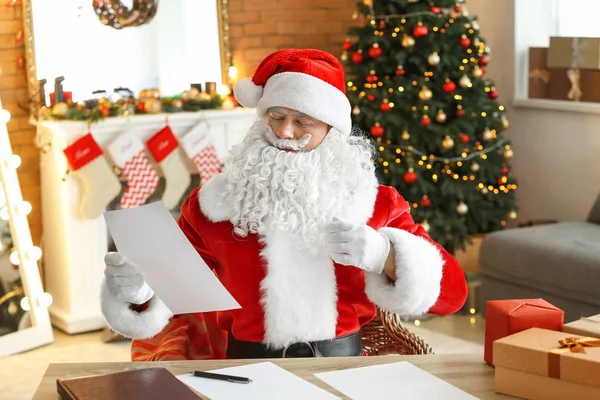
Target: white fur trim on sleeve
(130, 323)
(214, 203)
(419, 266)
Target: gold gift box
(574, 52)
(545, 359)
(589, 326)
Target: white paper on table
(400, 380)
(268, 382)
(149, 237)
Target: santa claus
(298, 230)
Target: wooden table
(467, 372)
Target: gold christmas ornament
(476, 42)
(441, 117)
(356, 110)
(448, 143)
(425, 94)
(425, 225)
(194, 93)
(487, 135)
(484, 190)
(355, 15)
(408, 41)
(462, 208)
(464, 81)
(505, 123)
(228, 104)
(434, 58)
(344, 56)
(368, 3)
(152, 106)
(512, 215)
(474, 166)
(477, 72)
(61, 109)
(405, 135)
(508, 154)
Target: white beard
(296, 192)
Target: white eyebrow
(278, 110)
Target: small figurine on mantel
(298, 229)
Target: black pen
(228, 378)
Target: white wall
(178, 47)
(557, 153)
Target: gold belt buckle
(310, 346)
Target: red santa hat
(310, 81)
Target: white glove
(125, 281)
(358, 245)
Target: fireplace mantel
(74, 247)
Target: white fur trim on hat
(310, 95)
(247, 93)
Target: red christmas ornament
(483, 60)
(400, 70)
(425, 201)
(141, 106)
(382, 25)
(371, 97)
(347, 45)
(377, 130)
(504, 170)
(464, 138)
(457, 8)
(375, 51)
(425, 120)
(385, 106)
(372, 78)
(460, 112)
(420, 30)
(435, 9)
(449, 87)
(410, 177)
(357, 58)
(493, 94)
(465, 41)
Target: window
(577, 18)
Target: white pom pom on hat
(306, 80)
(247, 93)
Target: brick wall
(13, 91)
(259, 27)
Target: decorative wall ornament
(115, 14)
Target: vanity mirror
(24, 320)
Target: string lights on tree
(417, 83)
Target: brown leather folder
(147, 384)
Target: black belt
(345, 346)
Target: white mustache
(291, 144)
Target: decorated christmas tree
(417, 82)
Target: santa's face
(297, 191)
(291, 125)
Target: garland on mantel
(149, 102)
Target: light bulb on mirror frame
(232, 72)
(44, 300)
(34, 253)
(14, 161)
(4, 214)
(4, 116)
(25, 304)
(14, 258)
(24, 208)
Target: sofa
(559, 262)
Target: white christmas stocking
(198, 146)
(127, 152)
(165, 150)
(101, 185)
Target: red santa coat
(286, 295)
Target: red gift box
(507, 317)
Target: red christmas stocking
(198, 146)
(101, 185)
(127, 152)
(165, 150)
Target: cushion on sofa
(562, 258)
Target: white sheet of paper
(149, 237)
(400, 380)
(268, 382)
